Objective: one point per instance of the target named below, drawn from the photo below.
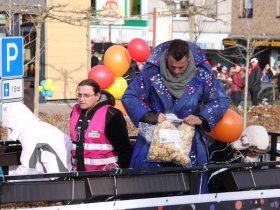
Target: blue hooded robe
(203, 96)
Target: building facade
(67, 46)
(205, 22)
(255, 22)
(118, 21)
(65, 40)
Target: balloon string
(221, 150)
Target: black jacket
(115, 130)
(254, 82)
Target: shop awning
(206, 41)
(211, 41)
(255, 41)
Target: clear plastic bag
(171, 142)
(147, 130)
(173, 119)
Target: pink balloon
(102, 75)
(138, 49)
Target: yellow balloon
(49, 82)
(53, 88)
(47, 87)
(118, 88)
(41, 88)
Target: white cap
(254, 60)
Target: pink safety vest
(98, 150)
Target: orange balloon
(117, 59)
(120, 107)
(229, 128)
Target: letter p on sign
(11, 57)
(12, 53)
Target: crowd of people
(233, 80)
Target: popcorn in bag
(171, 143)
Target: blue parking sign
(11, 59)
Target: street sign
(11, 57)
(12, 89)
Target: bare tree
(197, 13)
(36, 14)
(245, 46)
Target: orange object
(238, 205)
(229, 128)
(120, 107)
(117, 59)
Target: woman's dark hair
(95, 86)
(178, 49)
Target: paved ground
(50, 107)
(56, 107)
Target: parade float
(247, 177)
(247, 185)
(253, 184)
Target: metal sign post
(11, 71)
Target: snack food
(171, 144)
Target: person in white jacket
(45, 149)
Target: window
(211, 8)
(277, 61)
(179, 9)
(171, 6)
(278, 9)
(135, 7)
(93, 5)
(184, 7)
(28, 19)
(3, 19)
(207, 8)
(247, 8)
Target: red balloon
(229, 128)
(138, 49)
(102, 75)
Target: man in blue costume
(176, 79)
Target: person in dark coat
(94, 59)
(131, 72)
(278, 80)
(267, 72)
(254, 81)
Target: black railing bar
(138, 172)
